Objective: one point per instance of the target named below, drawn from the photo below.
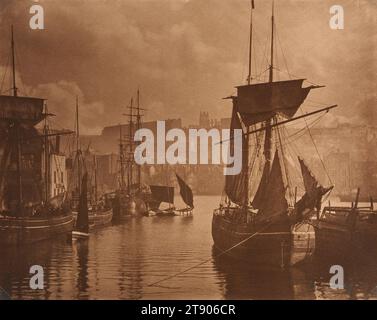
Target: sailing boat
(99, 214)
(81, 229)
(129, 199)
(187, 196)
(346, 233)
(29, 212)
(165, 194)
(255, 221)
(159, 195)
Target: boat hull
(98, 218)
(127, 208)
(271, 246)
(17, 231)
(343, 239)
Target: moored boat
(32, 206)
(344, 233)
(129, 200)
(256, 217)
(82, 224)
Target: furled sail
(186, 192)
(31, 150)
(262, 101)
(23, 109)
(314, 192)
(235, 184)
(274, 198)
(162, 194)
(82, 222)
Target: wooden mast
(46, 156)
(95, 179)
(18, 133)
(121, 159)
(249, 78)
(138, 125)
(13, 65)
(268, 129)
(130, 158)
(78, 149)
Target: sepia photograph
(191, 150)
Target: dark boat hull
(98, 218)
(18, 231)
(344, 240)
(272, 246)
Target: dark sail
(162, 194)
(235, 184)
(82, 222)
(274, 199)
(23, 109)
(260, 102)
(259, 195)
(186, 192)
(314, 192)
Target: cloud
(183, 55)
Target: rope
(209, 259)
(316, 149)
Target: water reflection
(121, 261)
(81, 250)
(242, 281)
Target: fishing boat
(187, 197)
(161, 195)
(82, 224)
(99, 214)
(29, 211)
(346, 232)
(165, 194)
(258, 211)
(129, 199)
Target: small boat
(346, 232)
(159, 195)
(187, 197)
(81, 229)
(165, 194)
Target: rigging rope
(211, 258)
(316, 149)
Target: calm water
(120, 262)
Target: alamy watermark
(193, 149)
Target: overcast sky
(186, 55)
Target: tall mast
(95, 179)
(130, 160)
(46, 155)
(138, 125)
(249, 78)
(78, 149)
(18, 133)
(121, 159)
(268, 137)
(13, 65)
(271, 74)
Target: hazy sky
(186, 55)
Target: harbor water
(125, 261)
